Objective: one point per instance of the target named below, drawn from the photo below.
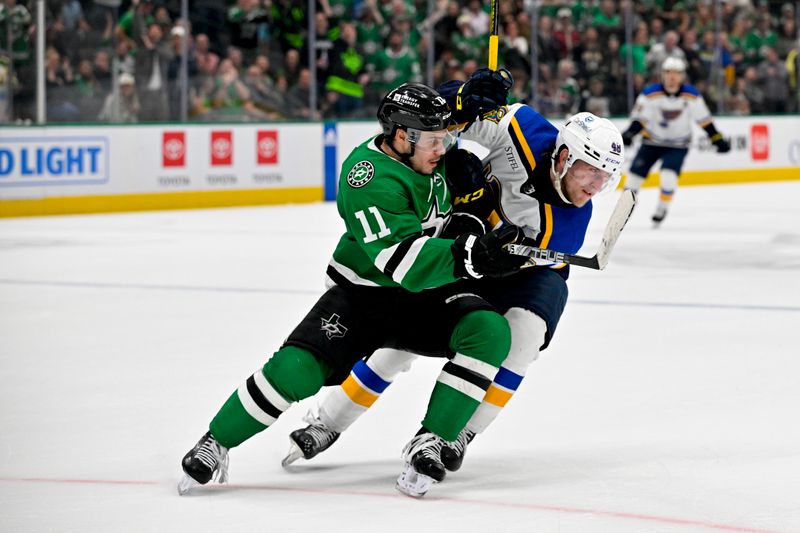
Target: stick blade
(619, 217)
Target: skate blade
(186, 484)
(292, 455)
(412, 483)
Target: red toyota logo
(173, 149)
(221, 148)
(759, 142)
(267, 147)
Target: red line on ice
(452, 500)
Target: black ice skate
(208, 459)
(423, 464)
(659, 215)
(453, 452)
(310, 441)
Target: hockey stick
(493, 38)
(598, 261)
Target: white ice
(668, 401)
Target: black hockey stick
(598, 261)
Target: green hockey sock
(481, 341)
(290, 375)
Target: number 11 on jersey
(369, 236)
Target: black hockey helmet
(413, 105)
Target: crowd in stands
(248, 59)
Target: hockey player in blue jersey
(663, 114)
(534, 176)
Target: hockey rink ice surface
(669, 400)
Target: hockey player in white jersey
(536, 177)
(663, 114)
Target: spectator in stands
(246, 22)
(126, 107)
(102, 70)
(736, 38)
(514, 47)
(203, 54)
(125, 60)
(566, 34)
(661, 51)
(567, 93)
(606, 19)
(174, 82)
(298, 96)
(124, 28)
(396, 64)
(638, 50)
(547, 45)
(58, 83)
(231, 96)
(347, 76)
(266, 96)
(758, 38)
(691, 49)
(372, 30)
(737, 103)
(478, 18)
(88, 92)
(466, 44)
(589, 56)
(775, 80)
(753, 91)
(595, 100)
(152, 60)
(291, 67)
(787, 36)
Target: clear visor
(590, 177)
(432, 141)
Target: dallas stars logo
(332, 327)
(360, 174)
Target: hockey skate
(423, 465)
(453, 452)
(310, 441)
(208, 459)
(659, 215)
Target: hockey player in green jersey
(392, 284)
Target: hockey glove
(488, 254)
(463, 172)
(461, 223)
(627, 137)
(722, 145)
(484, 91)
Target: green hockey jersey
(393, 216)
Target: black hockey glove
(461, 223)
(484, 91)
(627, 137)
(488, 255)
(463, 172)
(722, 145)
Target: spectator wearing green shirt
(761, 36)
(395, 65)
(638, 49)
(606, 19)
(347, 76)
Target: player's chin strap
(404, 158)
(559, 178)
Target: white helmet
(673, 63)
(593, 140)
